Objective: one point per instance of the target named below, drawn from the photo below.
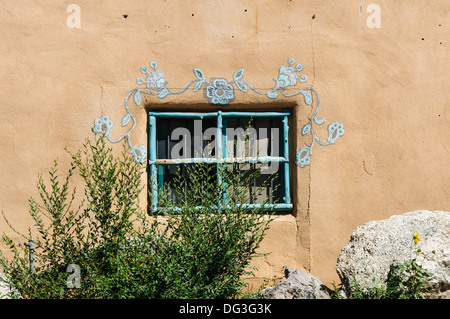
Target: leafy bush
(196, 246)
(213, 240)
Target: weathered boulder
(379, 245)
(297, 285)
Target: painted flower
(102, 125)
(302, 157)
(220, 92)
(156, 80)
(416, 238)
(335, 130)
(287, 77)
(139, 153)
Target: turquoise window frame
(155, 178)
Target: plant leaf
(163, 93)
(125, 119)
(319, 121)
(308, 98)
(272, 95)
(199, 74)
(306, 129)
(198, 85)
(241, 86)
(238, 74)
(137, 98)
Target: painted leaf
(163, 93)
(199, 74)
(272, 95)
(241, 86)
(198, 85)
(238, 74)
(144, 69)
(306, 129)
(125, 119)
(319, 121)
(308, 98)
(137, 98)
(154, 65)
(303, 78)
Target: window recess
(242, 140)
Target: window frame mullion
(220, 156)
(287, 196)
(152, 162)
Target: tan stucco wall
(389, 86)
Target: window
(242, 140)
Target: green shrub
(213, 241)
(201, 249)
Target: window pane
(253, 137)
(268, 184)
(176, 181)
(185, 138)
(253, 185)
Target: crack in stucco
(308, 210)
(313, 55)
(101, 99)
(308, 216)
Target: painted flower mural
(103, 125)
(287, 75)
(220, 92)
(156, 80)
(302, 157)
(335, 130)
(139, 153)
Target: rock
(297, 285)
(379, 245)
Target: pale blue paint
(152, 158)
(221, 156)
(156, 85)
(287, 196)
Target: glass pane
(176, 182)
(185, 138)
(182, 138)
(253, 186)
(253, 137)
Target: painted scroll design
(220, 91)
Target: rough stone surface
(297, 285)
(377, 245)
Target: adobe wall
(388, 86)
